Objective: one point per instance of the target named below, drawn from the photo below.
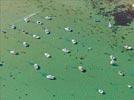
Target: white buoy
(13, 52)
(25, 44)
(68, 29)
(101, 91)
(65, 50)
(74, 41)
(81, 68)
(48, 17)
(50, 77)
(47, 55)
(36, 67)
(37, 37)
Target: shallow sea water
(20, 81)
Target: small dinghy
(113, 62)
(36, 37)
(112, 57)
(47, 55)
(121, 73)
(101, 91)
(48, 17)
(68, 29)
(50, 77)
(13, 27)
(129, 86)
(82, 69)
(13, 52)
(47, 31)
(74, 41)
(25, 44)
(27, 19)
(65, 50)
(128, 47)
(36, 66)
(89, 48)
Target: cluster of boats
(113, 59)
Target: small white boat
(101, 91)
(74, 41)
(68, 29)
(47, 31)
(48, 17)
(25, 44)
(36, 67)
(13, 52)
(65, 50)
(128, 47)
(35, 36)
(89, 48)
(129, 86)
(81, 68)
(121, 73)
(112, 57)
(113, 62)
(47, 55)
(13, 27)
(26, 19)
(50, 77)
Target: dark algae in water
(123, 18)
